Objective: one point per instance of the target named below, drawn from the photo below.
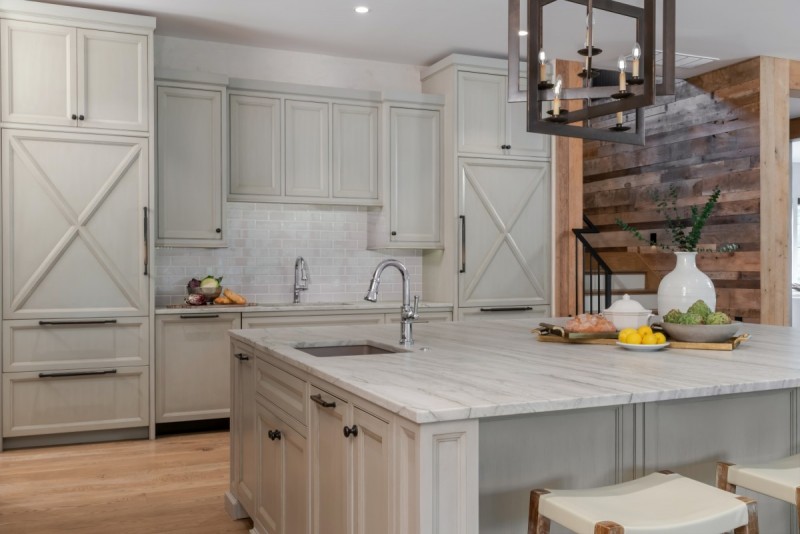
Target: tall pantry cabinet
(496, 261)
(76, 90)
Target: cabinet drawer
(284, 390)
(30, 345)
(34, 404)
(492, 313)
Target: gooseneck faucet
(407, 312)
(301, 278)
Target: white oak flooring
(174, 484)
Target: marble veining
(498, 368)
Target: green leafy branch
(677, 224)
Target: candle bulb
(542, 65)
(557, 99)
(619, 118)
(622, 80)
(637, 53)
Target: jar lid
(626, 305)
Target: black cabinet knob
(394, 233)
(74, 117)
(80, 117)
(350, 431)
(219, 230)
(274, 434)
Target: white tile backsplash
(263, 242)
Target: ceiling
(420, 32)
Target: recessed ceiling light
(362, 10)
(523, 33)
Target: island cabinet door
(330, 463)
(244, 475)
(371, 467)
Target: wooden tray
(730, 344)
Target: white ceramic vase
(683, 286)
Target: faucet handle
(416, 307)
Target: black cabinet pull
(146, 241)
(70, 323)
(274, 434)
(81, 117)
(241, 357)
(507, 309)
(77, 373)
(74, 117)
(199, 316)
(350, 431)
(463, 243)
(394, 233)
(218, 230)
(325, 404)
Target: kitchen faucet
(407, 313)
(301, 278)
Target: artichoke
(690, 318)
(700, 308)
(672, 316)
(718, 318)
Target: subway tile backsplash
(263, 242)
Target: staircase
(633, 283)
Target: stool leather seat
(779, 478)
(655, 504)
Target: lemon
(624, 333)
(633, 338)
(649, 339)
(660, 338)
(644, 330)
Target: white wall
(284, 66)
(264, 239)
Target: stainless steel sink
(362, 349)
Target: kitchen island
(452, 435)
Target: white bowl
(701, 333)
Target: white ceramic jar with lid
(627, 313)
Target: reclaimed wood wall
(708, 134)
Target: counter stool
(659, 503)
(779, 479)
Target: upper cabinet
(65, 76)
(302, 148)
(190, 164)
(489, 125)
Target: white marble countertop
(495, 368)
(281, 307)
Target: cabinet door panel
(244, 439)
(355, 151)
(330, 465)
(192, 370)
(522, 142)
(112, 80)
(189, 166)
(38, 68)
(481, 113)
(415, 170)
(255, 145)
(270, 504)
(307, 149)
(295, 479)
(371, 478)
(73, 207)
(507, 209)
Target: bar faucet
(407, 312)
(301, 278)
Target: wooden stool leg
(537, 524)
(608, 527)
(722, 477)
(752, 518)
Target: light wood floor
(170, 485)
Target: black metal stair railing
(594, 271)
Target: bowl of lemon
(641, 339)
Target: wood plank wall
(706, 135)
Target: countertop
(357, 306)
(466, 370)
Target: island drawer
(75, 400)
(86, 343)
(283, 389)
